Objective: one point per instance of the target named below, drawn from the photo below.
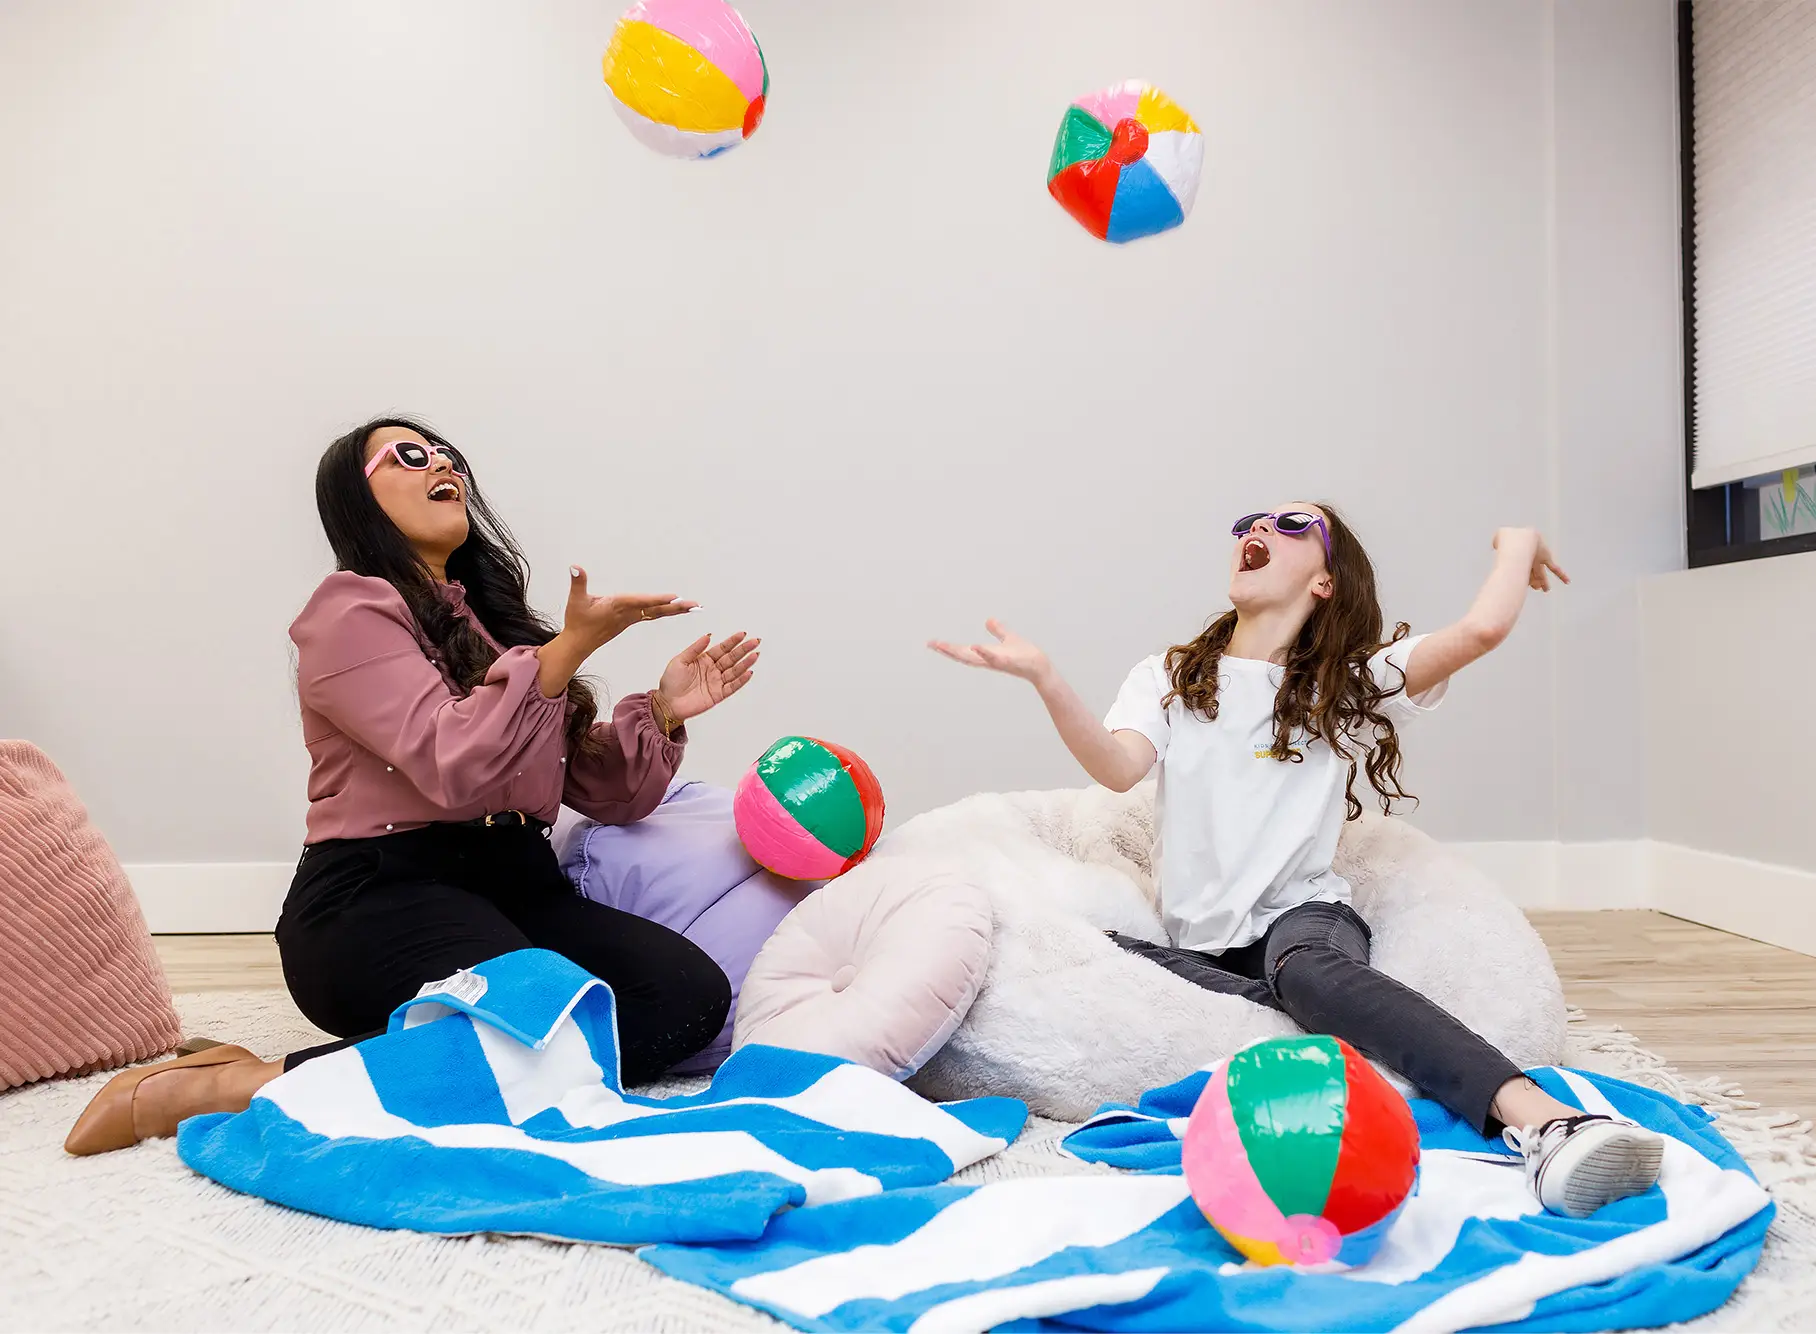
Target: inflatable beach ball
(808, 810)
(687, 76)
(1126, 162)
(1299, 1153)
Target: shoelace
(1518, 1138)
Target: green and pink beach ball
(1300, 1153)
(808, 810)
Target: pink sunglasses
(417, 457)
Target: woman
(446, 726)
(1260, 727)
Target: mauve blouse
(394, 744)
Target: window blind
(1754, 117)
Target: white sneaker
(1577, 1164)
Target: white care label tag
(465, 986)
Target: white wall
(1727, 702)
(1617, 400)
(857, 383)
(1730, 733)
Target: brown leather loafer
(107, 1123)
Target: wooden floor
(1710, 1003)
(220, 963)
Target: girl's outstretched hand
(1544, 564)
(1010, 654)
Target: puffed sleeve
(629, 768)
(361, 665)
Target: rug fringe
(1778, 1145)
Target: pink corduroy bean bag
(80, 986)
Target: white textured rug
(134, 1240)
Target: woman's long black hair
(489, 564)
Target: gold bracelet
(664, 719)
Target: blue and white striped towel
(506, 1115)
(1132, 1252)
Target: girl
(1260, 727)
(446, 726)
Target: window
(1747, 131)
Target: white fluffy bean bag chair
(1046, 1009)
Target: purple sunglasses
(1288, 523)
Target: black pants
(369, 920)
(1313, 966)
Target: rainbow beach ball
(687, 76)
(1299, 1153)
(1125, 163)
(808, 810)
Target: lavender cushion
(684, 867)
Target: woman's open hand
(1011, 654)
(596, 621)
(700, 677)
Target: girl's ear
(1322, 586)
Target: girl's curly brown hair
(1328, 692)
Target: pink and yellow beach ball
(687, 76)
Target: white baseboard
(1542, 874)
(1774, 904)
(184, 898)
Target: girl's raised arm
(1522, 561)
(1118, 760)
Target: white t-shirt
(1240, 836)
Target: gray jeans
(1312, 965)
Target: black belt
(509, 819)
